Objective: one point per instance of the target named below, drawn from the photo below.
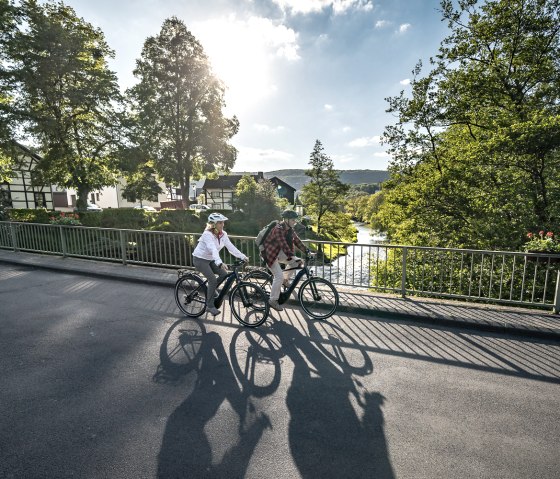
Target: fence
(506, 277)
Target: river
(353, 268)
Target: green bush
(40, 215)
(178, 220)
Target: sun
(241, 54)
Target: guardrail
(505, 277)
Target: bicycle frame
(227, 283)
(285, 295)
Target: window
(40, 200)
(92, 196)
(5, 196)
(60, 199)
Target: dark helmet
(290, 215)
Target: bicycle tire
(318, 298)
(249, 304)
(261, 279)
(190, 295)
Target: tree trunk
(82, 200)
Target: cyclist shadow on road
(186, 449)
(326, 435)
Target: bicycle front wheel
(318, 298)
(190, 295)
(261, 278)
(249, 304)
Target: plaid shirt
(277, 241)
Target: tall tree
(177, 105)
(324, 196)
(66, 96)
(8, 23)
(476, 149)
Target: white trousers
(279, 275)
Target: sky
(296, 71)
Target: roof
(278, 181)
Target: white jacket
(209, 247)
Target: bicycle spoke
(249, 304)
(318, 298)
(190, 295)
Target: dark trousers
(209, 269)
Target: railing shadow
(529, 358)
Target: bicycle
(248, 302)
(317, 296)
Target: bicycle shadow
(186, 449)
(327, 436)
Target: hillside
(298, 178)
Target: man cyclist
(278, 247)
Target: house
(21, 192)
(219, 192)
(109, 197)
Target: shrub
(40, 215)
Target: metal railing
(505, 277)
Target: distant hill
(298, 178)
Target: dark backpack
(264, 233)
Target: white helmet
(214, 217)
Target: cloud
(269, 129)
(315, 6)
(406, 81)
(365, 141)
(403, 27)
(328, 107)
(382, 23)
(259, 159)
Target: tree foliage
(177, 106)
(323, 197)
(142, 184)
(64, 96)
(476, 157)
(258, 200)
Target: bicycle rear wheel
(261, 279)
(318, 298)
(249, 304)
(190, 295)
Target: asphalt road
(105, 379)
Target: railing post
(14, 236)
(63, 241)
(556, 309)
(123, 246)
(403, 278)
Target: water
(353, 268)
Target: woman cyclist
(206, 256)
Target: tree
(476, 149)
(324, 195)
(7, 28)
(66, 97)
(142, 184)
(177, 105)
(258, 200)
